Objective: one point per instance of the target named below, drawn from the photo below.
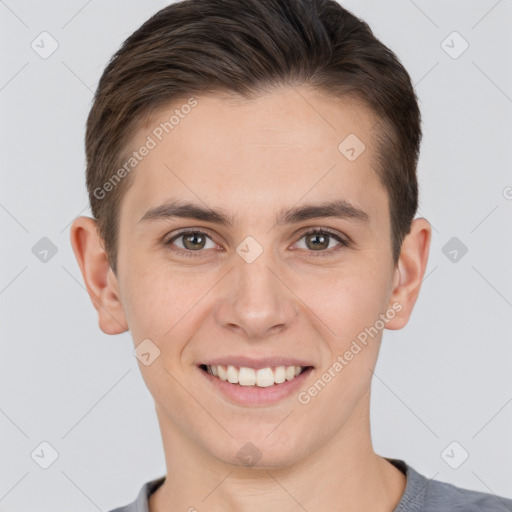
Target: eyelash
(328, 252)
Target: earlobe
(410, 271)
(100, 281)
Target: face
(261, 290)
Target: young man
(251, 168)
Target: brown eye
(317, 241)
(191, 242)
(320, 241)
(195, 240)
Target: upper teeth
(263, 377)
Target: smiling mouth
(261, 377)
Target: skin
(252, 159)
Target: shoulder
(441, 497)
(426, 495)
(141, 502)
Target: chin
(258, 453)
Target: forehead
(260, 154)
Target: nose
(255, 300)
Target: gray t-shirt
(421, 495)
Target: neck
(343, 470)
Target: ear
(100, 280)
(409, 272)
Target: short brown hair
(246, 47)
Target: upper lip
(256, 363)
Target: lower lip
(254, 395)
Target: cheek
(349, 308)
(163, 309)
(158, 300)
(167, 305)
(347, 301)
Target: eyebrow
(340, 209)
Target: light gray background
(445, 377)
